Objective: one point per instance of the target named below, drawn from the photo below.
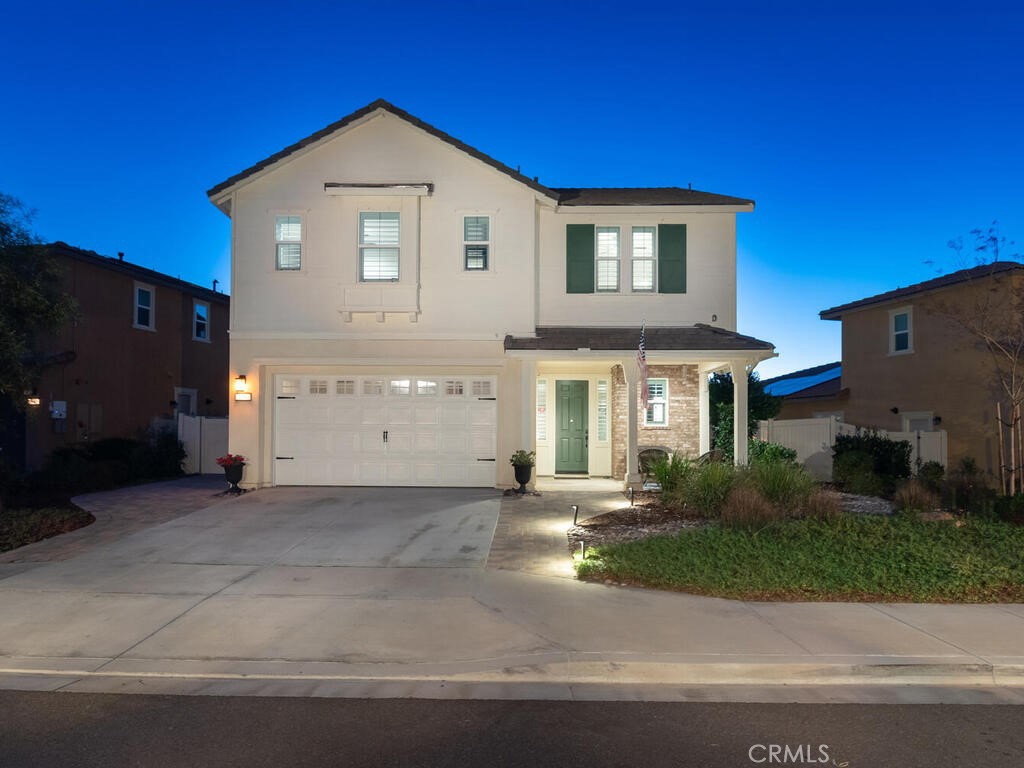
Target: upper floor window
(288, 237)
(644, 258)
(656, 414)
(901, 331)
(476, 243)
(379, 246)
(200, 320)
(145, 306)
(607, 258)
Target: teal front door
(573, 433)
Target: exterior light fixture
(631, 496)
(575, 512)
(242, 393)
(33, 400)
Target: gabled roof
(400, 113)
(954, 278)
(695, 337)
(570, 196)
(798, 383)
(135, 271)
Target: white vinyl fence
(812, 439)
(204, 439)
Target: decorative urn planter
(233, 474)
(523, 472)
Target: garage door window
(482, 389)
(426, 387)
(345, 387)
(318, 386)
(399, 386)
(373, 387)
(453, 388)
(289, 386)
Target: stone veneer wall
(682, 435)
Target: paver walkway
(531, 532)
(124, 511)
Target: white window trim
(301, 241)
(617, 259)
(908, 416)
(654, 261)
(198, 303)
(909, 312)
(135, 306)
(360, 245)
(647, 422)
(489, 242)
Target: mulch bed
(19, 527)
(647, 517)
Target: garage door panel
(334, 427)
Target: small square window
(476, 242)
(373, 387)
(318, 386)
(288, 242)
(426, 387)
(345, 387)
(453, 387)
(400, 386)
(289, 386)
(481, 388)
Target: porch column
(631, 371)
(739, 413)
(703, 410)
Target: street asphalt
(391, 593)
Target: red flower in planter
(231, 460)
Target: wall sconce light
(894, 409)
(241, 390)
(33, 400)
(936, 420)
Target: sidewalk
(223, 601)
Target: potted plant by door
(522, 462)
(233, 465)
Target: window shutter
(579, 258)
(671, 258)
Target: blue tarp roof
(796, 384)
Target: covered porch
(581, 390)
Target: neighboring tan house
(908, 364)
(812, 393)
(409, 311)
(145, 347)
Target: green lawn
(850, 558)
(24, 526)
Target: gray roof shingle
(691, 337)
(954, 278)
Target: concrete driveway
(391, 593)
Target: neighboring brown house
(908, 364)
(812, 393)
(145, 347)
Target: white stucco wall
(710, 271)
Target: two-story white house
(409, 311)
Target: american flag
(641, 360)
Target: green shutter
(579, 258)
(671, 258)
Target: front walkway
(531, 532)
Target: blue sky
(869, 134)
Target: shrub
(855, 472)
(821, 505)
(915, 496)
(709, 486)
(762, 450)
(780, 482)
(745, 507)
(967, 489)
(890, 459)
(932, 474)
(672, 473)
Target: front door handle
(586, 438)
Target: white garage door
(385, 430)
